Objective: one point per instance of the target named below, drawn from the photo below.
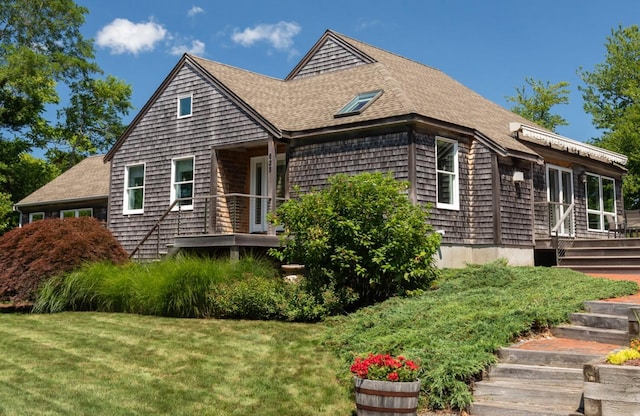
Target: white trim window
(601, 201)
(560, 197)
(134, 189)
(182, 181)
(185, 106)
(35, 216)
(447, 183)
(75, 213)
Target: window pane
(567, 187)
(554, 186)
(593, 193)
(445, 188)
(68, 214)
(135, 198)
(36, 216)
(608, 195)
(594, 222)
(185, 106)
(184, 170)
(85, 213)
(446, 155)
(136, 176)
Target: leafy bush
(182, 287)
(361, 240)
(43, 249)
(455, 330)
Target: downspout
(16, 209)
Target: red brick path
(586, 347)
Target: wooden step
(609, 308)
(545, 358)
(585, 333)
(598, 320)
(544, 375)
(485, 408)
(531, 393)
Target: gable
(329, 54)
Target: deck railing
(212, 214)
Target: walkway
(551, 343)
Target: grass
(118, 364)
(455, 330)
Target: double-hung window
(74, 213)
(601, 201)
(134, 189)
(447, 174)
(182, 182)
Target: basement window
(359, 103)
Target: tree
(361, 240)
(612, 97)
(42, 52)
(537, 107)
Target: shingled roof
(410, 88)
(87, 180)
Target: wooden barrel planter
(386, 398)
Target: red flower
(385, 367)
(393, 376)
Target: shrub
(188, 287)
(43, 249)
(361, 240)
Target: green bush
(361, 240)
(187, 287)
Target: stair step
(540, 374)
(545, 358)
(604, 251)
(609, 308)
(598, 320)
(494, 408)
(598, 268)
(524, 393)
(585, 333)
(612, 260)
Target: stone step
(605, 336)
(545, 375)
(609, 308)
(598, 320)
(523, 393)
(565, 359)
(493, 408)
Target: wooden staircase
(543, 382)
(612, 255)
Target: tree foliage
(360, 239)
(48, 67)
(537, 105)
(612, 97)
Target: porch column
(272, 173)
(213, 191)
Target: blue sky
(489, 46)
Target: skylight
(359, 103)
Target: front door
(560, 197)
(259, 200)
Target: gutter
(16, 209)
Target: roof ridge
(211, 61)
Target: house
(217, 147)
(80, 191)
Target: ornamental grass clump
(385, 368)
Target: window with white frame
(185, 104)
(447, 174)
(182, 182)
(74, 213)
(134, 189)
(601, 201)
(36, 216)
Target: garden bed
(611, 390)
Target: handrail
(567, 212)
(171, 208)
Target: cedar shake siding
(515, 206)
(329, 57)
(310, 165)
(158, 137)
(481, 222)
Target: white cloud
(194, 10)
(124, 36)
(197, 48)
(280, 36)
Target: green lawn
(119, 364)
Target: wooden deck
(234, 243)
